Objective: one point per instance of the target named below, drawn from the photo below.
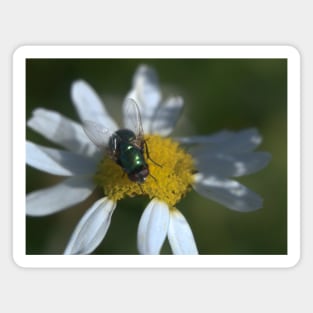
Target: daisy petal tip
(92, 228)
(79, 88)
(228, 193)
(180, 235)
(267, 156)
(76, 83)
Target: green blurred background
(219, 94)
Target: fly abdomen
(133, 163)
(130, 157)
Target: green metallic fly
(125, 146)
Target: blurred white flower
(208, 167)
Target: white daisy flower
(206, 164)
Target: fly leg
(140, 188)
(148, 156)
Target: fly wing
(97, 133)
(133, 119)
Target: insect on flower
(126, 147)
(208, 166)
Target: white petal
(61, 131)
(145, 91)
(153, 227)
(226, 142)
(59, 197)
(58, 162)
(145, 82)
(235, 165)
(92, 228)
(89, 105)
(167, 115)
(180, 235)
(206, 139)
(243, 141)
(227, 192)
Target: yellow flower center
(170, 173)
